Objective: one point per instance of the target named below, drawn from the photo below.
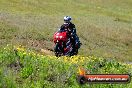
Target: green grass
(24, 68)
(104, 27)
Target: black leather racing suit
(70, 28)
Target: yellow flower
(20, 49)
(81, 60)
(24, 53)
(41, 55)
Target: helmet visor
(66, 21)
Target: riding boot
(73, 46)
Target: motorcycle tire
(57, 50)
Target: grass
(104, 27)
(22, 67)
(107, 24)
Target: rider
(70, 28)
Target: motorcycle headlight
(60, 36)
(57, 36)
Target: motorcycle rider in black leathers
(70, 28)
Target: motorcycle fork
(61, 46)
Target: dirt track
(48, 52)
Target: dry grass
(104, 27)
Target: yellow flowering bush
(31, 67)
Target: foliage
(24, 67)
(104, 27)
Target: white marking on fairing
(71, 49)
(68, 42)
(68, 45)
(57, 34)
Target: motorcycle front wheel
(58, 50)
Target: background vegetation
(25, 68)
(104, 28)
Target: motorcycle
(63, 44)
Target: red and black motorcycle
(63, 44)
